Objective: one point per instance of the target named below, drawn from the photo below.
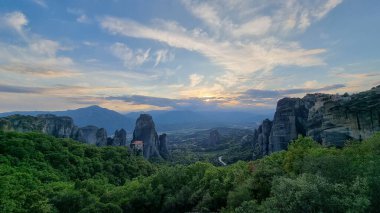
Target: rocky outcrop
(289, 121)
(145, 131)
(261, 139)
(49, 124)
(162, 147)
(91, 135)
(329, 119)
(57, 126)
(214, 138)
(119, 138)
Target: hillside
(40, 173)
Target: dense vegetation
(39, 173)
(188, 148)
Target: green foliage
(39, 173)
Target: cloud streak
(256, 93)
(183, 104)
(130, 57)
(236, 56)
(20, 89)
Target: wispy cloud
(131, 58)
(20, 89)
(195, 79)
(256, 93)
(237, 57)
(81, 15)
(33, 55)
(41, 3)
(241, 37)
(188, 103)
(15, 21)
(163, 56)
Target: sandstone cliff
(57, 126)
(330, 119)
(119, 139)
(162, 148)
(145, 131)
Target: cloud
(205, 12)
(195, 79)
(256, 27)
(163, 56)
(182, 104)
(83, 19)
(15, 20)
(33, 55)
(237, 57)
(259, 17)
(131, 58)
(90, 43)
(81, 16)
(37, 57)
(256, 93)
(20, 89)
(41, 3)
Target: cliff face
(119, 139)
(329, 119)
(145, 131)
(261, 139)
(162, 148)
(57, 126)
(91, 135)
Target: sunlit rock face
(329, 119)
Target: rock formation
(329, 119)
(59, 126)
(145, 131)
(119, 139)
(162, 147)
(90, 135)
(261, 138)
(214, 138)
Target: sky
(139, 55)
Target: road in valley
(221, 161)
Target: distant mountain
(171, 120)
(177, 120)
(92, 115)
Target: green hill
(39, 173)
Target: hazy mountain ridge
(165, 120)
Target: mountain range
(166, 120)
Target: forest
(40, 173)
